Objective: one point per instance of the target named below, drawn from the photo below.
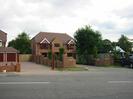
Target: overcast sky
(111, 17)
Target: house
(3, 38)
(44, 42)
(9, 57)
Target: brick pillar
(17, 67)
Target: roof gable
(44, 41)
(71, 41)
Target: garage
(1, 57)
(9, 60)
(11, 57)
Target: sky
(111, 17)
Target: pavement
(97, 83)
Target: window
(69, 55)
(0, 43)
(44, 54)
(44, 46)
(56, 45)
(70, 46)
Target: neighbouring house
(44, 42)
(3, 38)
(119, 49)
(9, 57)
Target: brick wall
(67, 61)
(10, 68)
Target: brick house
(9, 57)
(43, 42)
(3, 38)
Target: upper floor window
(56, 45)
(44, 46)
(71, 46)
(0, 43)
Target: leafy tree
(106, 46)
(114, 44)
(95, 51)
(125, 44)
(87, 42)
(22, 43)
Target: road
(108, 83)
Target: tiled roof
(50, 36)
(8, 49)
(3, 36)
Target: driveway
(33, 68)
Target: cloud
(126, 12)
(112, 17)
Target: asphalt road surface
(108, 83)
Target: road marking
(118, 82)
(20, 83)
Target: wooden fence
(25, 57)
(104, 59)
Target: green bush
(61, 52)
(50, 55)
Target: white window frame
(71, 41)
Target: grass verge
(72, 69)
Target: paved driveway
(33, 68)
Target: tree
(87, 42)
(22, 43)
(106, 46)
(125, 44)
